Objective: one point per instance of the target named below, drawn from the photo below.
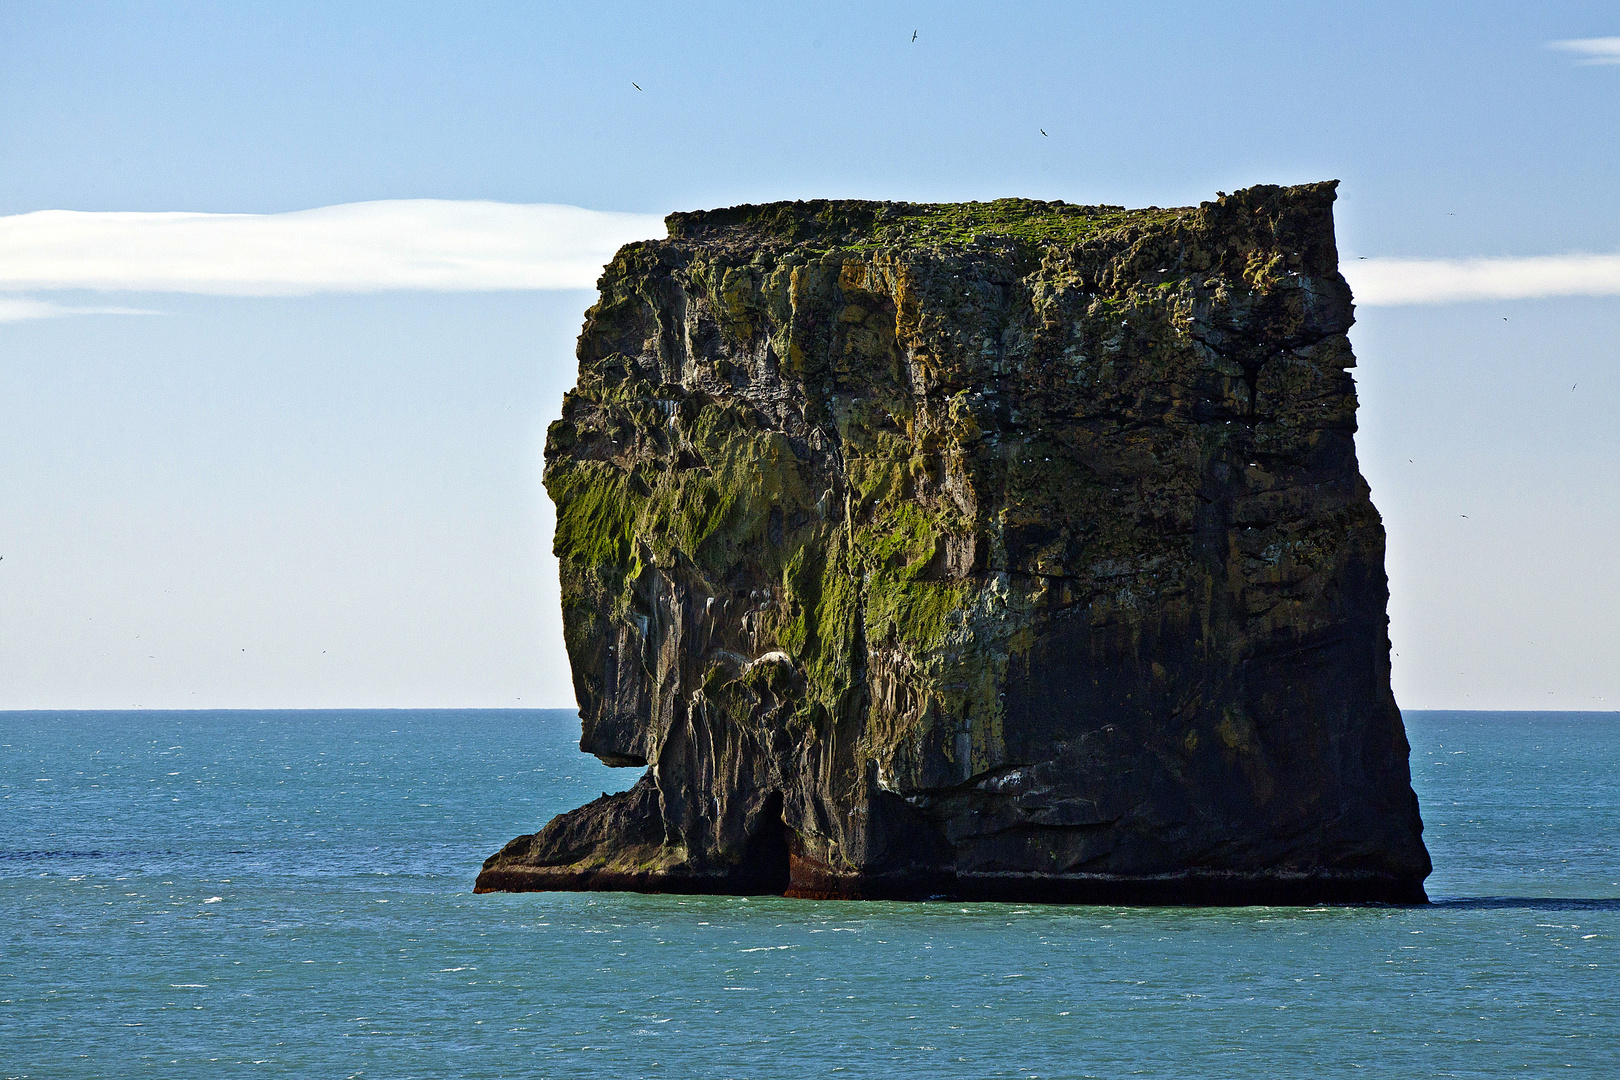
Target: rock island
(1005, 550)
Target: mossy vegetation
(822, 616)
(614, 515)
(830, 225)
(1024, 222)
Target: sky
(288, 294)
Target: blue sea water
(222, 894)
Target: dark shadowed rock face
(1006, 550)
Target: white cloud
(22, 309)
(1597, 50)
(429, 244)
(1445, 281)
(479, 246)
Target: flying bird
(1043, 132)
(914, 35)
(637, 87)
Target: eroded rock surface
(1008, 549)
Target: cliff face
(1006, 549)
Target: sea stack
(1007, 550)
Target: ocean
(223, 894)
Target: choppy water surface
(259, 894)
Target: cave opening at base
(764, 867)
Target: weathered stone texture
(1011, 549)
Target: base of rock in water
(1212, 889)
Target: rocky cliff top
(1290, 216)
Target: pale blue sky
(334, 500)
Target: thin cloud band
(421, 244)
(453, 246)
